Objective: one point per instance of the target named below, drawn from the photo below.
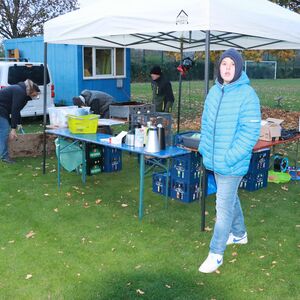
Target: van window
(19, 73)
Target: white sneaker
(232, 239)
(212, 263)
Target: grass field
(86, 242)
(193, 94)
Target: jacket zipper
(213, 157)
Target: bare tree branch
(21, 18)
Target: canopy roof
(163, 24)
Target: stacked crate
(185, 177)
(257, 176)
(94, 159)
(159, 183)
(112, 159)
(101, 159)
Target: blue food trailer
(75, 67)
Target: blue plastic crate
(259, 162)
(184, 192)
(254, 181)
(159, 182)
(186, 167)
(112, 159)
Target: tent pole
(204, 173)
(207, 59)
(45, 108)
(179, 90)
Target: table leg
(297, 150)
(167, 183)
(58, 161)
(83, 175)
(203, 181)
(142, 174)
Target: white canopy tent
(176, 25)
(162, 25)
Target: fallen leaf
(46, 194)
(140, 292)
(284, 187)
(11, 242)
(30, 234)
(28, 276)
(55, 209)
(233, 260)
(124, 205)
(98, 201)
(207, 228)
(86, 205)
(167, 286)
(218, 271)
(234, 254)
(262, 256)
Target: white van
(12, 72)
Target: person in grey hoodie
(98, 101)
(12, 100)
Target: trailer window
(103, 62)
(19, 73)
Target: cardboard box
(270, 129)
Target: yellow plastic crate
(83, 124)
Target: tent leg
(207, 59)
(203, 173)
(45, 108)
(179, 90)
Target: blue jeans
(229, 212)
(4, 133)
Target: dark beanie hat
(238, 61)
(156, 70)
(77, 101)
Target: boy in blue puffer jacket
(230, 129)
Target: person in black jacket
(162, 93)
(12, 100)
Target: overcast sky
(85, 2)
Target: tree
(22, 18)
(290, 4)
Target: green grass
(84, 250)
(193, 94)
(81, 250)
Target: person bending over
(12, 100)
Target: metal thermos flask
(161, 137)
(152, 145)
